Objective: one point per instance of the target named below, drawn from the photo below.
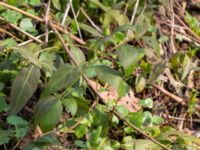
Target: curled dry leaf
(129, 100)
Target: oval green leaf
(64, 77)
(48, 112)
(23, 88)
(129, 57)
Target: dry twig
(176, 98)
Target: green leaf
(78, 55)
(146, 103)
(94, 139)
(23, 88)
(64, 77)
(7, 43)
(128, 143)
(193, 23)
(83, 107)
(3, 104)
(140, 83)
(137, 118)
(11, 16)
(56, 4)
(5, 136)
(27, 25)
(106, 74)
(27, 54)
(47, 139)
(17, 121)
(129, 57)
(187, 66)
(47, 113)
(157, 120)
(112, 16)
(141, 26)
(80, 130)
(71, 105)
(35, 2)
(156, 72)
(101, 118)
(80, 143)
(122, 110)
(21, 125)
(141, 144)
(90, 29)
(124, 28)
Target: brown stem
(176, 98)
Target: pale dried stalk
(46, 21)
(66, 12)
(90, 20)
(134, 11)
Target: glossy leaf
(47, 113)
(129, 57)
(111, 77)
(64, 77)
(23, 88)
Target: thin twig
(10, 34)
(176, 98)
(134, 11)
(31, 40)
(46, 21)
(88, 81)
(90, 20)
(66, 12)
(183, 119)
(24, 32)
(172, 28)
(63, 43)
(76, 21)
